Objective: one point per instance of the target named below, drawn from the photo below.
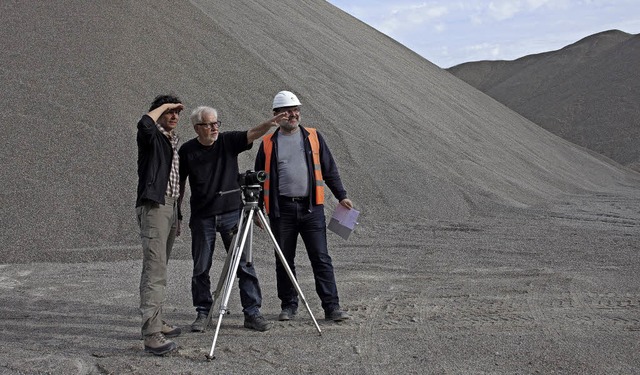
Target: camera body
(251, 178)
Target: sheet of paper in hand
(343, 221)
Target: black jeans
(311, 226)
(203, 238)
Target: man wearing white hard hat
(299, 164)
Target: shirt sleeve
(330, 172)
(236, 141)
(184, 163)
(146, 129)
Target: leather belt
(293, 199)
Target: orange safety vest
(267, 143)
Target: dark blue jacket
(328, 166)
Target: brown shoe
(157, 344)
(169, 330)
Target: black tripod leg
(263, 220)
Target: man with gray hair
(210, 162)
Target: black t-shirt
(211, 170)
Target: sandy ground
(546, 290)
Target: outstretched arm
(260, 130)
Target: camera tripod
(243, 244)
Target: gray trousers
(158, 225)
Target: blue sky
(450, 32)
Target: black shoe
(257, 322)
(336, 315)
(199, 324)
(287, 313)
(157, 344)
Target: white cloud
(483, 49)
(405, 17)
(535, 4)
(502, 10)
(399, 17)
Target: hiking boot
(157, 344)
(199, 324)
(257, 322)
(287, 313)
(169, 330)
(336, 315)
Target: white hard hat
(285, 99)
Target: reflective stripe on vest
(267, 143)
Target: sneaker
(257, 322)
(169, 330)
(157, 344)
(200, 323)
(336, 315)
(287, 313)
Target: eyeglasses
(288, 109)
(210, 124)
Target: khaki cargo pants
(158, 224)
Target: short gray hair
(196, 115)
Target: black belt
(293, 199)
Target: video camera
(251, 178)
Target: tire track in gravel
(427, 312)
(371, 316)
(609, 311)
(537, 297)
(397, 312)
(560, 311)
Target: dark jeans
(203, 239)
(296, 219)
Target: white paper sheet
(343, 221)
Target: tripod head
(249, 186)
(249, 182)
(250, 193)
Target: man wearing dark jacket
(157, 212)
(299, 165)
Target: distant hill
(414, 144)
(587, 92)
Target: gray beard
(286, 126)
